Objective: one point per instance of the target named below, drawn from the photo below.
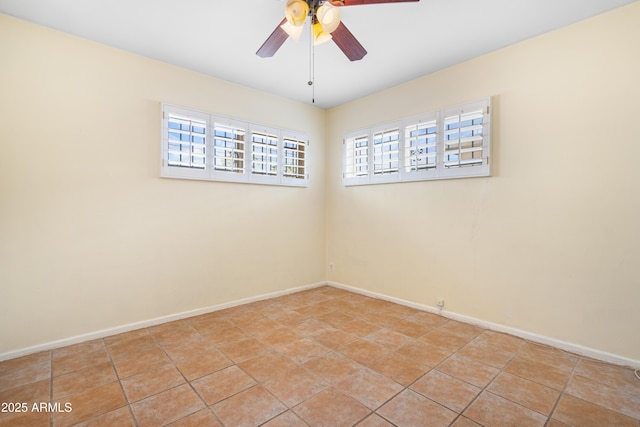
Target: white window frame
(477, 142)
(246, 174)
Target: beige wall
(550, 243)
(90, 236)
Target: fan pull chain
(312, 64)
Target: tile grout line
(124, 394)
(191, 385)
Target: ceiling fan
(325, 25)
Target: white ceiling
(220, 38)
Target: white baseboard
(147, 323)
(541, 339)
(567, 346)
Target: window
(197, 145)
(451, 143)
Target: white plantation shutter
(386, 151)
(451, 143)
(228, 147)
(356, 157)
(465, 145)
(421, 146)
(187, 142)
(294, 152)
(264, 153)
(197, 145)
(184, 144)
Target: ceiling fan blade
(358, 2)
(348, 43)
(273, 42)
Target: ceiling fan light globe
(328, 16)
(296, 12)
(294, 31)
(319, 35)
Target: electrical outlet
(440, 302)
(330, 266)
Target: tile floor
(322, 357)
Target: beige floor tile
(446, 390)
(466, 422)
(261, 327)
(360, 327)
(174, 333)
(364, 352)
(549, 356)
(489, 409)
(332, 367)
(462, 330)
(25, 419)
(550, 376)
(202, 418)
(280, 337)
(141, 362)
(76, 361)
(287, 419)
(334, 338)
(166, 407)
(527, 393)
(423, 353)
(616, 399)
(210, 325)
(126, 336)
(428, 319)
(331, 408)
(314, 310)
(267, 365)
(400, 368)
(505, 342)
(388, 338)
(295, 386)
(445, 340)
(91, 403)
(335, 318)
(24, 374)
(251, 407)
(469, 370)
(618, 377)
(411, 329)
(287, 317)
(88, 346)
(375, 420)
(83, 379)
(31, 393)
(203, 364)
(222, 384)
(119, 417)
(243, 350)
(487, 353)
(411, 409)
(150, 382)
(310, 327)
(369, 388)
(227, 336)
(402, 311)
(577, 412)
(18, 363)
(382, 318)
(184, 350)
(129, 347)
(303, 350)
